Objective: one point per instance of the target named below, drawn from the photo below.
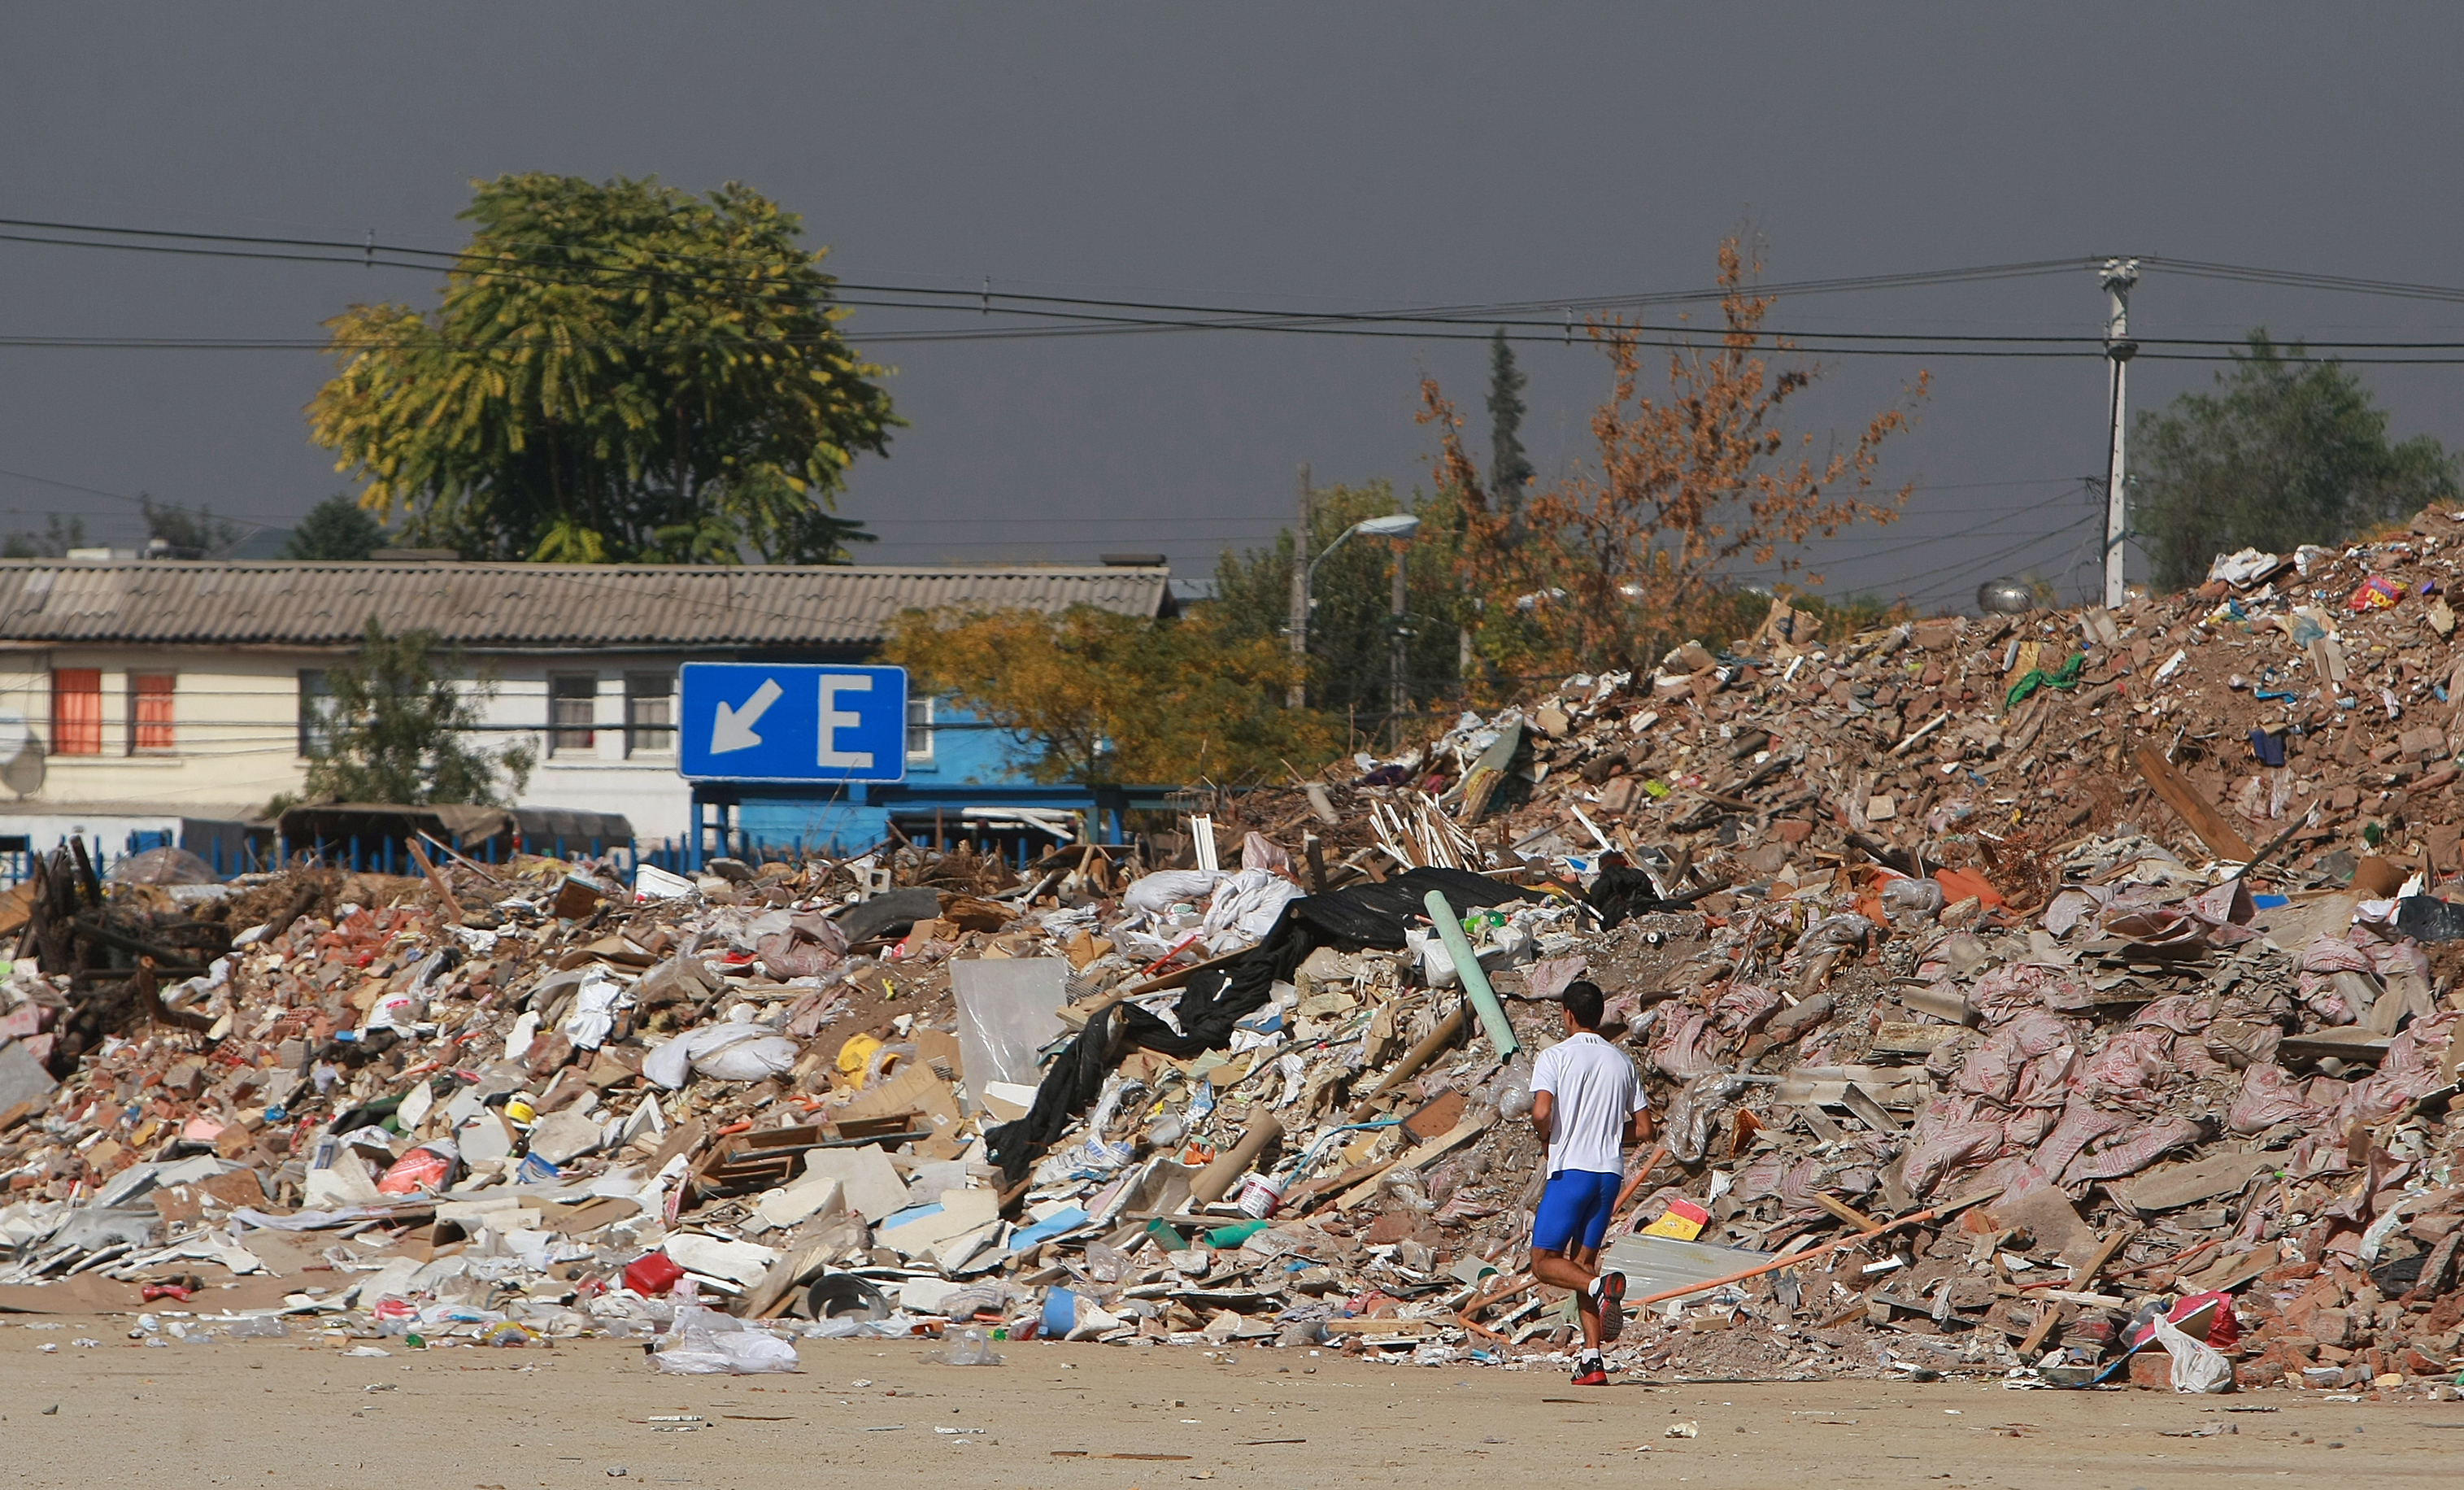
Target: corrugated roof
(492, 605)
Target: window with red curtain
(76, 710)
(149, 711)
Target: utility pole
(1296, 692)
(2118, 276)
(1402, 658)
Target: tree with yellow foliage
(1108, 698)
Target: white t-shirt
(1595, 1090)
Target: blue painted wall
(971, 764)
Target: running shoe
(1608, 1288)
(1591, 1371)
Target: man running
(1588, 1103)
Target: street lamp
(1393, 525)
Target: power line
(972, 297)
(1947, 581)
(1091, 315)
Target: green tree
(1351, 623)
(618, 373)
(56, 540)
(2285, 452)
(336, 530)
(185, 534)
(1509, 471)
(397, 727)
(1104, 697)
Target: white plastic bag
(1243, 908)
(705, 1343)
(2197, 1367)
(1159, 892)
(726, 1052)
(595, 1004)
(1437, 965)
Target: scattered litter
(2016, 980)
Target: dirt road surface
(300, 1412)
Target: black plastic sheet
(1362, 918)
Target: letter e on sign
(834, 719)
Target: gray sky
(1333, 158)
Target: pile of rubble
(2004, 986)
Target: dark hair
(1583, 1000)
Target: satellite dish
(2005, 598)
(21, 755)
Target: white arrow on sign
(732, 728)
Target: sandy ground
(297, 1412)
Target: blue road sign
(742, 721)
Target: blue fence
(256, 854)
(259, 853)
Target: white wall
(601, 777)
(235, 739)
(234, 732)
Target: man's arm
(1543, 1107)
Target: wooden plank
(1300, 1201)
(1076, 1014)
(16, 908)
(2230, 1272)
(2085, 1276)
(2344, 1043)
(1452, 1139)
(776, 1290)
(435, 881)
(1901, 1039)
(2046, 1314)
(2202, 818)
(2092, 1301)
(1847, 1213)
(1381, 1326)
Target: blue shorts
(1575, 1209)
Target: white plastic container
(1259, 1196)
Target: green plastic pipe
(1475, 982)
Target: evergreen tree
(56, 540)
(182, 534)
(337, 529)
(1509, 471)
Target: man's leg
(1558, 1228)
(1605, 1293)
(1560, 1271)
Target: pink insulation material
(1687, 1046)
(2081, 1124)
(2143, 1147)
(2132, 1067)
(1947, 1135)
(2269, 1096)
(2016, 988)
(1744, 1007)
